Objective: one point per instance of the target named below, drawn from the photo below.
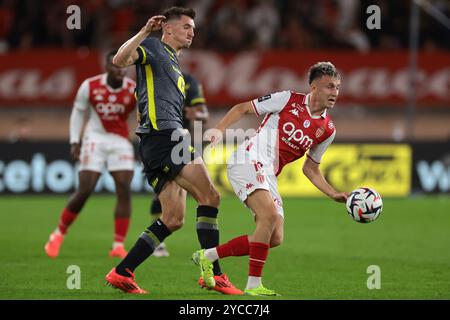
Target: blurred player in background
(194, 109)
(108, 99)
(294, 124)
(171, 165)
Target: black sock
(208, 231)
(144, 247)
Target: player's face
(326, 90)
(114, 72)
(182, 31)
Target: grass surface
(325, 254)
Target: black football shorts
(164, 155)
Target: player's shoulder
(189, 78)
(298, 96)
(91, 82)
(129, 82)
(330, 128)
(151, 42)
(94, 79)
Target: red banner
(45, 77)
(376, 79)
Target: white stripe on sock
(211, 254)
(253, 282)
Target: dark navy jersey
(160, 87)
(194, 95)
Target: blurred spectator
(263, 22)
(224, 25)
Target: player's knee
(174, 223)
(276, 240)
(123, 188)
(271, 217)
(212, 198)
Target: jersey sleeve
(316, 153)
(79, 107)
(146, 51)
(271, 103)
(194, 92)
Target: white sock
(253, 282)
(117, 244)
(211, 254)
(57, 232)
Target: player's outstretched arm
(127, 54)
(232, 116)
(312, 172)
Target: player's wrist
(145, 31)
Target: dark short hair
(177, 12)
(322, 69)
(110, 55)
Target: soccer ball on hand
(364, 205)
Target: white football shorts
(110, 150)
(246, 178)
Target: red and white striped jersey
(108, 108)
(288, 131)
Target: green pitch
(325, 254)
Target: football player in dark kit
(160, 93)
(195, 109)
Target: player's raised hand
(154, 23)
(340, 196)
(75, 151)
(213, 135)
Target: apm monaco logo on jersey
(296, 135)
(109, 111)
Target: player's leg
(266, 215)
(87, 182)
(173, 200)
(173, 204)
(122, 211)
(195, 179)
(278, 232)
(155, 212)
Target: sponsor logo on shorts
(249, 186)
(154, 182)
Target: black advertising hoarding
(431, 169)
(46, 167)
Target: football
(364, 205)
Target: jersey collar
(171, 51)
(307, 100)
